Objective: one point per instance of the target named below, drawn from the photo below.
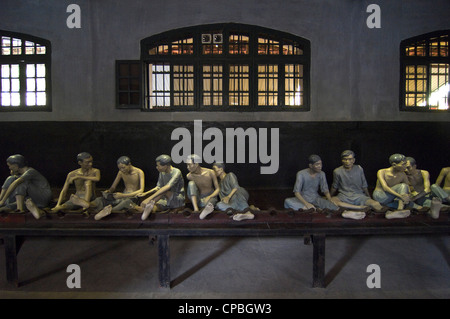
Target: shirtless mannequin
(169, 190)
(203, 186)
(420, 189)
(134, 182)
(444, 192)
(84, 179)
(393, 185)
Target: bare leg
(435, 208)
(103, 213)
(374, 204)
(37, 213)
(194, 203)
(19, 203)
(346, 205)
(209, 208)
(79, 201)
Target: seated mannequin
(442, 193)
(30, 189)
(203, 186)
(111, 201)
(231, 194)
(84, 179)
(10, 202)
(306, 189)
(351, 184)
(392, 188)
(169, 190)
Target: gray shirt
(308, 186)
(349, 182)
(174, 179)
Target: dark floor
(261, 267)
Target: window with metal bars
(225, 67)
(424, 72)
(25, 77)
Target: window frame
(226, 59)
(23, 60)
(418, 61)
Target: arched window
(425, 72)
(25, 73)
(223, 67)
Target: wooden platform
(311, 227)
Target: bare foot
(103, 213)
(148, 209)
(240, 216)
(37, 213)
(397, 214)
(435, 208)
(209, 208)
(353, 214)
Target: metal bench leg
(164, 261)
(11, 249)
(318, 260)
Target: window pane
(40, 84)
(15, 99)
(6, 46)
(31, 85)
(238, 44)
(5, 71)
(185, 46)
(16, 46)
(439, 46)
(15, 85)
(268, 84)
(6, 99)
(159, 85)
(212, 84)
(41, 98)
(239, 85)
(40, 70)
(439, 86)
(31, 99)
(293, 87)
(183, 85)
(29, 47)
(14, 70)
(267, 46)
(6, 87)
(31, 71)
(416, 84)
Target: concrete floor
(255, 268)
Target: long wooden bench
(311, 227)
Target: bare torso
(131, 181)
(204, 180)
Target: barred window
(425, 72)
(25, 78)
(225, 67)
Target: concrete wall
(354, 69)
